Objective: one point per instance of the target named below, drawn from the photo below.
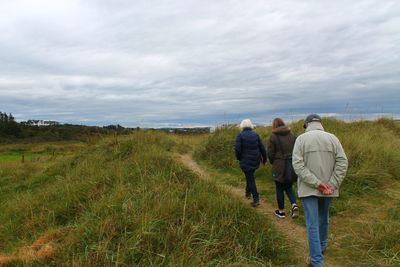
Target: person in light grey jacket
(320, 162)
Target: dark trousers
(280, 197)
(251, 185)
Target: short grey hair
(246, 123)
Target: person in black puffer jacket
(250, 151)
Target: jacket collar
(281, 130)
(312, 126)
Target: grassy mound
(218, 149)
(127, 202)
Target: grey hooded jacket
(318, 157)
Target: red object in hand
(325, 189)
(321, 188)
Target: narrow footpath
(293, 232)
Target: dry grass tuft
(44, 248)
(46, 238)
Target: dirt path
(287, 227)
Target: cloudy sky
(188, 62)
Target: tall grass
(127, 202)
(385, 237)
(218, 149)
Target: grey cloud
(172, 61)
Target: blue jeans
(316, 211)
(280, 197)
(251, 185)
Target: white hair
(246, 123)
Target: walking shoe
(279, 214)
(255, 204)
(248, 195)
(295, 211)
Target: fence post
(116, 138)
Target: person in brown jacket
(280, 147)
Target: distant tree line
(8, 126)
(11, 131)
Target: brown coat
(275, 154)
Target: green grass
(38, 151)
(128, 202)
(10, 156)
(373, 150)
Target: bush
(219, 149)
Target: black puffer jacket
(280, 139)
(250, 150)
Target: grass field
(14, 152)
(126, 202)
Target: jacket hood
(312, 126)
(281, 130)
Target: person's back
(281, 143)
(250, 153)
(323, 158)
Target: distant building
(186, 129)
(223, 126)
(40, 123)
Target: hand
(325, 189)
(328, 192)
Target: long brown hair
(277, 122)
